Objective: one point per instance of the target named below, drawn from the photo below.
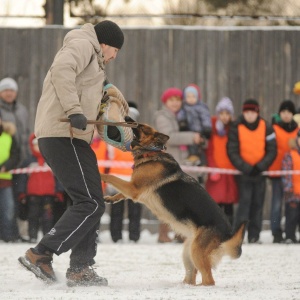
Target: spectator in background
(251, 149)
(39, 191)
(117, 209)
(291, 187)
(9, 159)
(197, 117)
(285, 129)
(100, 149)
(165, 121)
(221, 187)
(15, 112)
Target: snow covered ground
(148, 270)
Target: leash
(95, 122)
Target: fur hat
(287, 105)
(171, 92)
(109, 33)
(251, 104)
(225, 104)
(8, 84)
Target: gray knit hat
(8, 84)
(109, 33)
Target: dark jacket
(233, 146)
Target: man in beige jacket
(73, 88)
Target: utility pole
(54, 10)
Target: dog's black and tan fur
(180, 201)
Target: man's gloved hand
(78, 121)
(255, 171)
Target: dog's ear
(163, 138)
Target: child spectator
(40, 191)
(251, 149)
(165, 121)
(9, 159)
(221, 187)
(117, 209)
(197, 117)
(285, 129)
(291, 187)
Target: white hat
(133, 113)
(8, 84)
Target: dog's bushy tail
(233, 246)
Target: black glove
(255, 171)
(78, 121)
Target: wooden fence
(238, 62)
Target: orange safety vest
(220, 152)
(252, 142)
(121, 156)
(100, 149)
(282, 140)
(296, 166)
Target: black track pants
(74, 164)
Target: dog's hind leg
(202, 249)
(190, 270)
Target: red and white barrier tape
(126, 164)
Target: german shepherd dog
(180, 201)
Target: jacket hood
(86, 32)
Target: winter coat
(291, 182)
(37, 183)
(9, 151)
(234, 145)
(284, 132)
(73, 85)
(223, 188)
(17, 113)
(197, 117)
(166, 122)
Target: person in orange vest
(100, 149)
(291, 187)
(221, 187)
(251, 148)
(285, 129)
(117, 209)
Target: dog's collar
(152, 153)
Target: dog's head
(147, 138)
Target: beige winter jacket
(73, 84)
(165, 121)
